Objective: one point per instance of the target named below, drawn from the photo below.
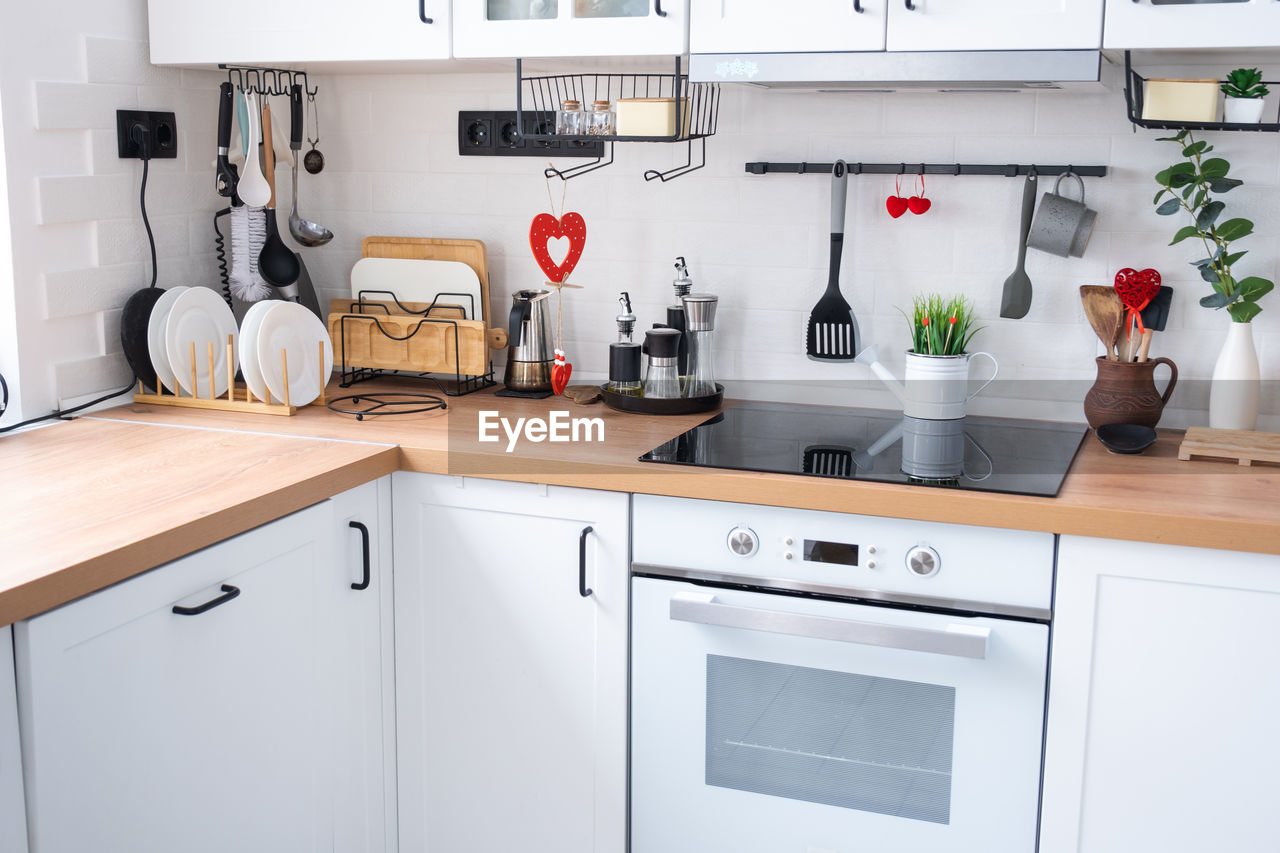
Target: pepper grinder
(700, 324)
(624, 356)
(675, 315)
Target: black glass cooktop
(975, 453)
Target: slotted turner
(833, 330)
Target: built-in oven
(816, 682)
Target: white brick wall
(761, 241)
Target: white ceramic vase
(1233, 393)
(1242, 110)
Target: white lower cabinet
(1164, 687)
(254, 721)
(13, 818)
(511, 684)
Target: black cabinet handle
(228, 592)
(857, 6)
(657, 9)
(582, 562)
(364, 542)
(911, 7)
(422, 12)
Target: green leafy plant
(941, 325)
(1189, 185)
(1244, 83)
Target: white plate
(291, 327)
(155, 336)
(249, 365)
(201, 316)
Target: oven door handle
(957, 640)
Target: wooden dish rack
(435, 341)
(231, 401)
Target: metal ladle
(306, 232)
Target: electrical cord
(139, 135)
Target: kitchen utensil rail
(232, 402)
(1008, 170)
(697, 109)
(1134, 94)
(361, 318)
(267, 81)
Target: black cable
(220, 248)
(140, 136)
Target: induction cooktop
(975, 453)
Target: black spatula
(833, 331)
(1154, 318)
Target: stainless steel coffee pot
(529, 354)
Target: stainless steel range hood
(913, 71)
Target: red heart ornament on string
(896, 205)
(918, 204)
(546, 227)
(561, 370)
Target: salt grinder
(699, 323)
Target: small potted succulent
(1244, 90)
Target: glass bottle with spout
(624, 355)
(675, 315)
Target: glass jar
(569, 118)
(600, 121)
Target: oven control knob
(743, 541)
(923, 562)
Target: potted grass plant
(1244, 92)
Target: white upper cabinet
(508, 28)
(291, 31)
(994, 24)
(767, 26)
(1192, 23)
(761, 26)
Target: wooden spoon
(1106, 315)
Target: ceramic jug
(1125, 393)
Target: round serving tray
(663, 405)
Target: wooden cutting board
(370, 340)
(1244, 446)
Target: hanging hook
(856, 168)
(957, 171)
(902, 168)
(311, 93)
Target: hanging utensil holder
(238, 398)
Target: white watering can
(936, 386)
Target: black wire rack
(1134, 97)
(267, 81)
(697, 109)
(364, 312)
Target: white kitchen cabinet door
(13, 816)
(521, 28)
(511, 686)
(770, 26)
(148, 730)
(292, 31)
(1162, 700)
(994, 24)
(360, 675)
(1192, 24)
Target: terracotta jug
(1125, 393)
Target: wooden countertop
(91, 502)
(90, 513)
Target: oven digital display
(817, 551)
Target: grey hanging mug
(1062, 226)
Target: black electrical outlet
(494, 133)
(159, 130)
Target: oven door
(770, 723)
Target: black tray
(663, 405)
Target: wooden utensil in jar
(1106, 315)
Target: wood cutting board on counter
(390, 341)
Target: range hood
(883, 71)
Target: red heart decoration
(896, 205)
(546, 227)
(561, 370)
(919, 204)
(1137, 288)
